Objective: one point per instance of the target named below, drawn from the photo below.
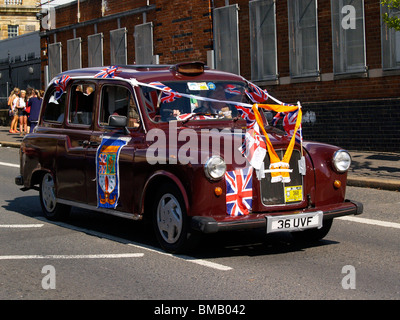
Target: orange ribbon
(279, 168)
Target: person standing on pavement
(35, 103)
(11, 108)
(21, 113)
(14, 122)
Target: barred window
(348, 36)
(390, 41)
(263, 40)
(226, 38)
(303, 38)
(74, 53)
(144, 43)
(118, 46)
(12, 31)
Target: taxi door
(71, 152)
(110, 159)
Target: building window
(348, 36)
(118, 47)
(303, 38)
(263, 40)
(226, 38)
(95, 50)
(144, 43)
(55, 59)
(12, 2)
(74, 53)
(12, 31)
(390, 42)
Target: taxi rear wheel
(170, 221)
(51, 209)
(313, 235)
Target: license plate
(293, 194)
(295, 222)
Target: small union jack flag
(230, 89)
(248, 115)
(109, 72)
(239, 191)
(256, 94)
(168, 95)
(289, 123)
(61, 86)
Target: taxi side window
(55, 108)
(118, 100)
(81, 105)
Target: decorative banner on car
(107, 171)
(61, 86)
(239, 191)
(279, 169)
(109, 72)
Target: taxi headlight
(215, 168)
(341, 161)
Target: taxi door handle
(87, 143)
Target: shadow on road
(223, 244)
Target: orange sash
(279, 168)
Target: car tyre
(48, 200)
(313, 235)
(170, 221)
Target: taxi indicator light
(337, 184)
(218, 191)
(190, 68)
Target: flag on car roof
(256, 94)
(109, 72)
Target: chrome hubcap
(48, 194)
(169, 218)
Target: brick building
(335, 56)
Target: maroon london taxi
(192, 150)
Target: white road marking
(9, 164)
(371, 222)
(83, 256)
(21, 225)
(201, 262)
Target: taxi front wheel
(51, 209)
(170, 221)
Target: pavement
(368, 169)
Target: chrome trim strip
(107, 211)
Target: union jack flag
(150, 100)
(256, 94)
(61, 85)
(109, 72)
(168, 95)
(232, 90)
(248, 115)
(239, 191)
(254, 148)
(289, 123)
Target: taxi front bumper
(258, 220)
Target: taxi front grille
(274, 193)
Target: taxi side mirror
(121, 122)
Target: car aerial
(190, 149)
